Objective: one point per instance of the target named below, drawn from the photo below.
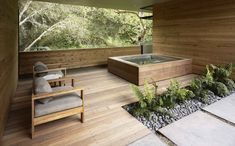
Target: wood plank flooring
(106, 123)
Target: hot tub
(138, 68)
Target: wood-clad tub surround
(203, 30)
(138, 74)
(73, 58)
(8, 57)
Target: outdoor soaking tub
(138, 68)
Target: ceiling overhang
(132, 5)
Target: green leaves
(148, 100)
(215, 80)
(145, 97)
(85, 27)
(149, 92)
(175, 94)
(220, 89)
(138, 93)
(222, 72)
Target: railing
(75, 58)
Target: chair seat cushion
(59, 103)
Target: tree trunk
(32, 14)
(143, 31)
(43, 34)
(26, 6)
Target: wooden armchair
(65, 102)
(50, 72)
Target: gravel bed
(156, 120)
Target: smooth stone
(149, 140)
(200, 129)
(225, 108)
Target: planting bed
(156, 120)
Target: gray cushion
(53, 75)
(42, 86)
(59, 103)
(39, 66)
(60, 88)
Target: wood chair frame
(57, 115)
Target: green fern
(176, 94)
(149, 92)
(138, 93)
(147, 99)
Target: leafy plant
(175, 94)
(222, 74)
(220, 89)
(197, 88)
(146, 97)
(215, 78)
(149, 100)
(208, 79)
(230, 84)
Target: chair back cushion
(42, 86)
(39, 66)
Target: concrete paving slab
(200, 129)
(225, 108)
(149, 140)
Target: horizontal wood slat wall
(8, 57)
(73, 58)
(203, 30)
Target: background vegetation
(58, 26)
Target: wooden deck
(106, 123)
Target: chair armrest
(54, 65)
(50, 70)
(61, 79)
(62, 92)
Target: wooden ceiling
(134, 5)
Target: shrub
(230, 84)
(220, 89)
(216, 77)
(208, 79)
(200, 93)
(147, 99)
(222, 74)
(175, 94)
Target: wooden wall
(203, 30)
(8, 56)
(73, 58)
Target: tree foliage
(77, 26)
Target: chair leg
(32, 131)
(82, 117)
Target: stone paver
(200, 129)
(149, 140)
(224, 108)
